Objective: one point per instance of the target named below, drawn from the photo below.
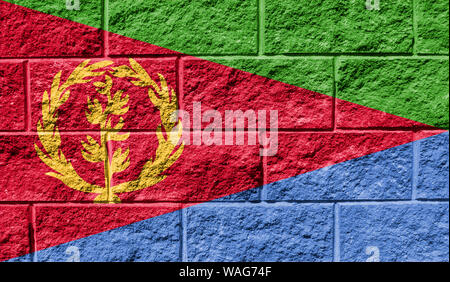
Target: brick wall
(408, 52)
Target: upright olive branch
(98, 114)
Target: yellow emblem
(166, 153)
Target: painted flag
(222, 131)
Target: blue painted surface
(400, 231)
(433, 173)
(383, 175)
(403, 230)
(268, 232)
(155, 239)
(25, 258)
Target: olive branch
(167, 104)
(48, 130)
(94, 152)
(116, 105)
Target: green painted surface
(89, 13)
(312, 74)
(413, 88)
(323, 26)
(192, 27)
(432, 26)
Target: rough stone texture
(304, 152)
(193, 27)
(155, 239)
(24, 174)
(353, 116)
(222, 88)
(260, 233)
(202, 173)
(394, 60)
(89, 13)
(12, 97)
(337, 26)
(401, 232)
(432, 26)
(35, 35)
(60, 223)
(380, 176)
(251, 195)
(389, 84)
(433, 168)
(142, 114)
(312, 74)
(14, 240)
(360, 24)
(121, 45)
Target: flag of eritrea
(224, 130)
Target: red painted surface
(14, 235)
(12, 96)
(28, 33)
